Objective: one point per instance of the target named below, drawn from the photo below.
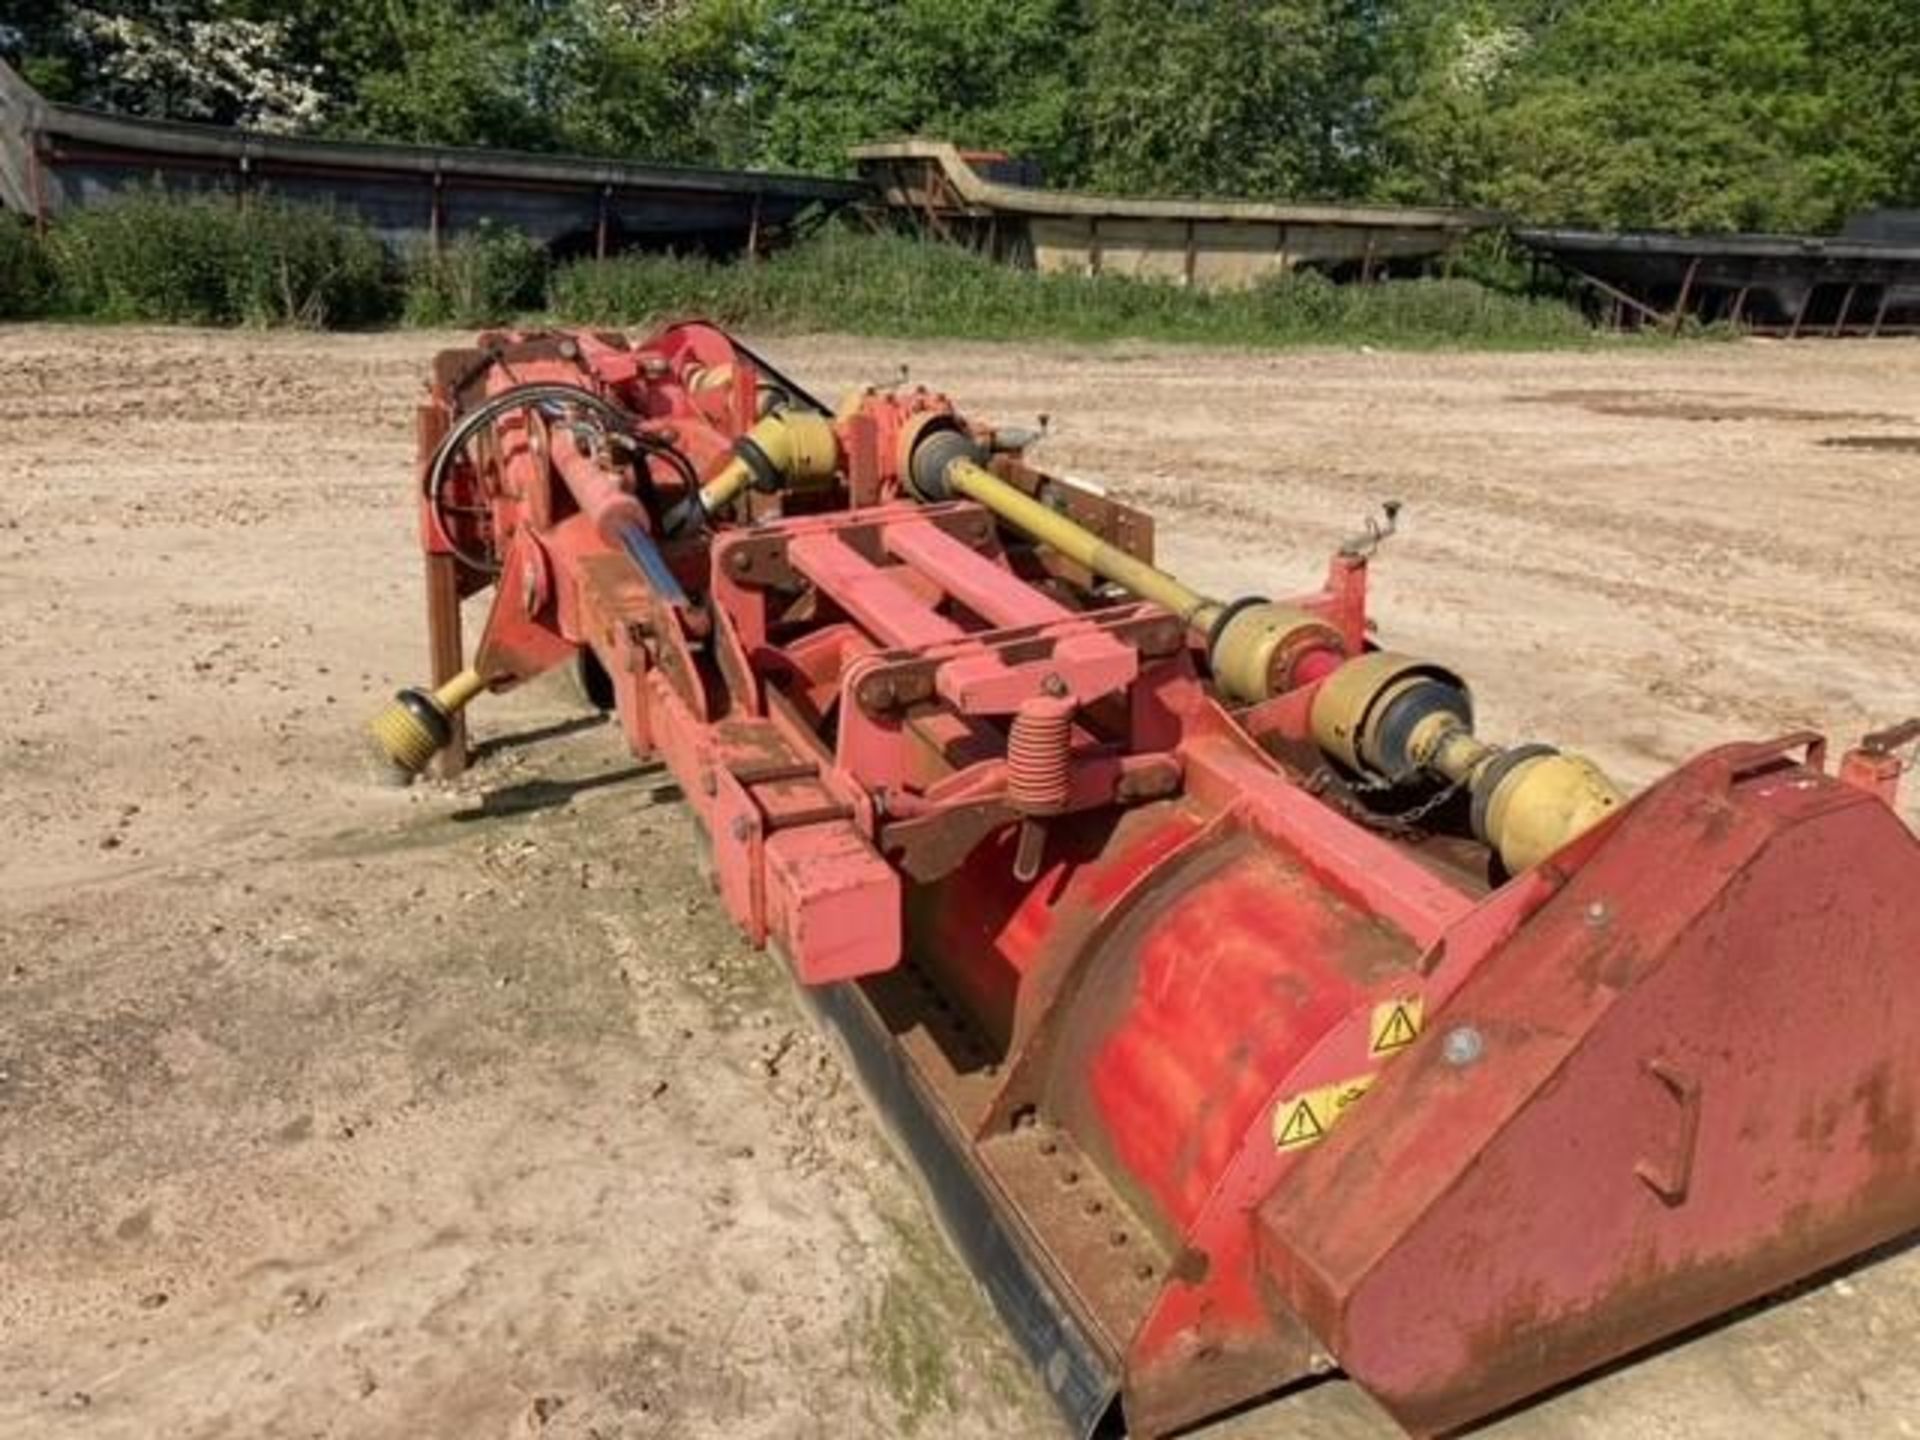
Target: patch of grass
(886, 285)
(209, 260)
(934, 1343)
(910, 1333)
(26, 279)
(484, 277)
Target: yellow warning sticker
(1304, 1119)
(1395, 1025)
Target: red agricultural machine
(1247, 1014)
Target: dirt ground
(328, 1109)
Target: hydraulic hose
(520, 397)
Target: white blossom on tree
(1483, 53)
(171, 65)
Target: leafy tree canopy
(1782, 114)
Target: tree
(1690, 114)
(1241, 97)
(997, 73)
(1783, 114)
(169, 59)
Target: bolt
(1054, 686)
(1463, 1045)
(740, 828)
(1598, 914)
(739, 561)
(878, 694)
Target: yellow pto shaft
(419, 723)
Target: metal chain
(1344, 795)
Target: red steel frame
(1577, 1110)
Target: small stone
(154, 1300)
(302, 1301)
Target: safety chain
(1344, 796)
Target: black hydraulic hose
(522, 397)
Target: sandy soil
(328, 1109)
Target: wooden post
(600, 224)
(1880, 315)
(36, 181)
(433, 215)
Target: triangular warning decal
(1300, 1126)
(1395, 1025)
(1397, 1033)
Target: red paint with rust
(1649, 1080)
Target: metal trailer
(1863, 281)
(994, 204)
(58, 157)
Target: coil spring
(1039, 755)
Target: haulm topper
(1247, 1013)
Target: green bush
(486, 276)
(210, 260)
(25, 278)
(207, 260)
(893, 286)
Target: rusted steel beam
(1686, 294)
(1800, 315)
(1846, 309)
(1616, 293)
